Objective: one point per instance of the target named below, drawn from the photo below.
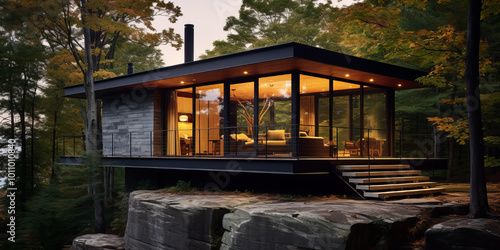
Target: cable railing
(264, 141)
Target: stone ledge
(161, 220)
(464, 233)
(98, 242)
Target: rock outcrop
(464, 233)
(98, 242)
(318, 225)
(158, 220)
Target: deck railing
(263, 141)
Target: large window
(336, 118)
(241, 119)
(209, 119)
(314, 106)
(375, 121)
(275, 105)
(315, 131)
(345, 116)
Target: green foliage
(182, 186)
(492, 162)
(57, 213)
(145, 57)
(492, 140)
(264, 23)
(119, 224)
(381, 226)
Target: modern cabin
(287, 109)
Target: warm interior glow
(245, 72)
(347, 75)
(182, 82)
(371, 80)
(399, 85)
(183, 118)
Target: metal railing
(261, 141)
(70, 145)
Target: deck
(271, 165)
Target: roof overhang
(274, 59)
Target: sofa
(270, 143)
(310, 146)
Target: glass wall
(179, 122)
(209, 119)
(314, 106)
(375, 121)
(314, 130)
(346, 117)
(275, 105)
(241, 119)
(275, 112)
(354, 125)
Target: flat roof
(273, 59)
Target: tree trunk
(54, 129)
(478, 194)
(32, 158)
(91, 131)
(451, 142)
(12, 115)
(24, 163)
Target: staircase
(385, 181)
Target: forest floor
(460, 192)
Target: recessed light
(245, 72)
(347, 75)
(371, 80)
(399, 85)
(182, 82)
(350, 86)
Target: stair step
(403, 192)
(389, 179)
(372, 167)
(381, 173)
(396, 186)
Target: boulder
(464, 233)
(98, 242)
(335, 224)
(160, 220)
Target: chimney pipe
(130, 68)
(188, 43)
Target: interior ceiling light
(371, 79)
(182, 82)
(183, 118)
(347, 75)
(245, 72)
(399, 85)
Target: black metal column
(193, 138)
(256, 115)
(391, 114)
(227, 103)
(330, 115)
(295, 113)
